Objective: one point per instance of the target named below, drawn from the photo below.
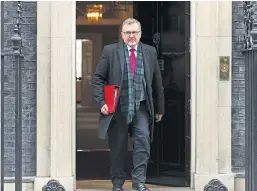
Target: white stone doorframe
(56, 35)
(210, 98)
(211, 37)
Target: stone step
(85, 127)
(87, 119)
(86, 114)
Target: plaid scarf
(132, 85)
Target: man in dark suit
(133, 66)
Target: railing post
(250, 52)
(2, 98)
(17, 51)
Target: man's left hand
(158, 117)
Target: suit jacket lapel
(121, 59)
(147, 61)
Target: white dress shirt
(131, 48)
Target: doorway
(166, 26)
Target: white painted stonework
(56, 93)
(211, 98)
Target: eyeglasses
(128, 33)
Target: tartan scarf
(132, 86)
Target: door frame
(193, 85)
(56, 25)
(43, 146)
(53, 30)
(71, 70)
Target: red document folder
(111, 96)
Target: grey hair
(130, 21)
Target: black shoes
(139, 187)
(117, 188)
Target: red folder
(111, 96)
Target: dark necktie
(133, 60)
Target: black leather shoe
(117, 188)
(140, 187)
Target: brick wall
(238, 89)
(28, 89)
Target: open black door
(165, 25)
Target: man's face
(131, 34)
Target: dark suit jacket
(110, 70)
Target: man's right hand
(104, 110)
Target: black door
(165, 25)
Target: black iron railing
(2, 96)
(17, 56)
(250, 54)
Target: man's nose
(131, 34)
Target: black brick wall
(238, 89)
(28, 89)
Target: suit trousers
(118, 143)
